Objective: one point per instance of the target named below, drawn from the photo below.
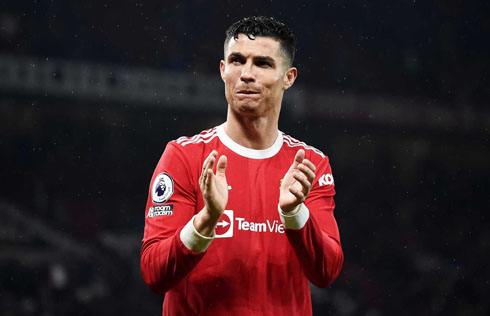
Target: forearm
(320, 255)
(166, 262)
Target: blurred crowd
(411, 48)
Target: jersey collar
(248, 152)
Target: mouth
(247, 92)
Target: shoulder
(184, 155)
(192, 148)
(319, 159)
(203, 137)
(311, 152)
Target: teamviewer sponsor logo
(227, 223)
(224, 228)
(269, 226)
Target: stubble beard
(249, 108)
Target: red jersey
(260, 260)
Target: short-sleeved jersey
(255, 265)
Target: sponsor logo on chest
(229, 224)
(269, 226)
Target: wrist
(290, 210)
(204, 222)
(296, 219)
(192, 239)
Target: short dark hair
(261, 26)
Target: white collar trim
(248, 152)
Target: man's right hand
(214, 189)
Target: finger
(212, 161)
(209, 178)
(307, 172)
(208, 173)
(204, 166)
(297, 193)
(221, 166)
(301, 178)
(309, 164)
(207, 182)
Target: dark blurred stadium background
(395, 92)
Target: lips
(247, 92)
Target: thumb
(300, 155)
(221, 167)
(298, 158)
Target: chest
(253, 189)
(250, 229)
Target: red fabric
(262, 270)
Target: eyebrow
(261, 58)
(265, 58)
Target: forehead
(260, 46)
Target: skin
(256, 74)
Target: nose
(247, 74)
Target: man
(246, 218)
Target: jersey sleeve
(313, 232)
(171, 205)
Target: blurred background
(396, 93)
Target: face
(255, 75)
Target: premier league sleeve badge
(162, 188)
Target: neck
(251, 132)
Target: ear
(289, 77)
(222, 69)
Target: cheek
(274, 80)
(275, 86)
(230, 78)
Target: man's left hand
(297, 182)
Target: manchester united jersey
(260, 260)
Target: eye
(236, 60)
(263, 64)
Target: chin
(248, 108)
